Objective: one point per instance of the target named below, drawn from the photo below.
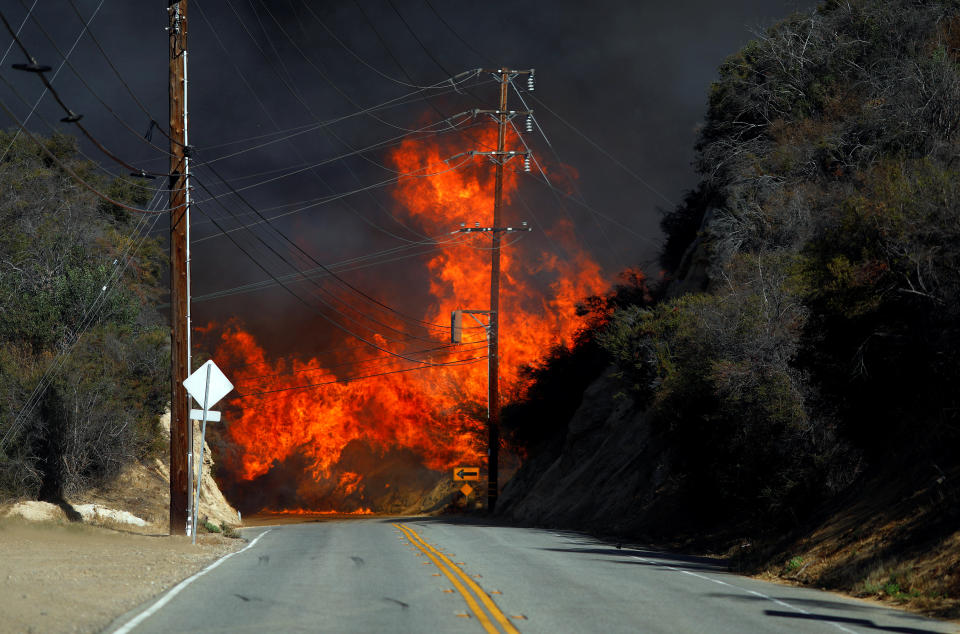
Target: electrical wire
(55, 74)
(321, 288)
(351, 379)
(456, 34)
(545, 181)
(119, 76)
(329, 272)
(404, 100)
(73, 174)
(356, 56)
(85, 83)
(344, 266)
(467, 75)
(425, 49)
(333, 85)
(311, 166)
(270, 117)
(569, 125)
(296, 296)
(603, 151)
(417, 38)
(86, 322)
(54, 130)
(71, 116)
(603, 231)
(328, 367)
(326, 199)
(19, 30)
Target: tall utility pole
(493, 358)
(503, 118)
(179, 329)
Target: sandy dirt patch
(61, 577)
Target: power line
(332, 134)
(327, 199)
(71, 117)
(603, 151)
(456, 34)
(310, 166)
(545, 181)
(55, 75)
(85, 323)
(54, 130)
(73, 174)
(464, 76)
(386, 358)
(86, 84)
(468, 361)
(603, 231)
(19, 29)
(103, 53)
(404, 100)
(416, 37)
(326, 317)
(352, 264)
(568, 124)
(319, 287)
(322, 266)
(355, 55)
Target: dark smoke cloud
(632, 75)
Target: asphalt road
(429, 575)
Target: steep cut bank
(790, 396)
(137, 498)
(602, 475)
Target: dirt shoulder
(894, 538)
(71, 577)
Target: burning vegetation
(303, 435)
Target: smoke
(632, 76)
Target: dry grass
(897, 542)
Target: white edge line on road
(753, 592)
(165, 599)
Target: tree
(82, 367)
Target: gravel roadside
(58, 577)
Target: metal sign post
(209, 389)
(203, 435)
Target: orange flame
(426, 411)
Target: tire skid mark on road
(783, 604)
(452, 571)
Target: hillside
(83, 356)
(793, 386)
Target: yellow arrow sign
(466, 473)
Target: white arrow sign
(196, 384)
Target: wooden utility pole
(499, 157)
(493, 357)
(179, 329)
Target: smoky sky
(632, 76)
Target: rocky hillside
(804, 359)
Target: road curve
(432, 575)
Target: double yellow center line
(461, 582)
